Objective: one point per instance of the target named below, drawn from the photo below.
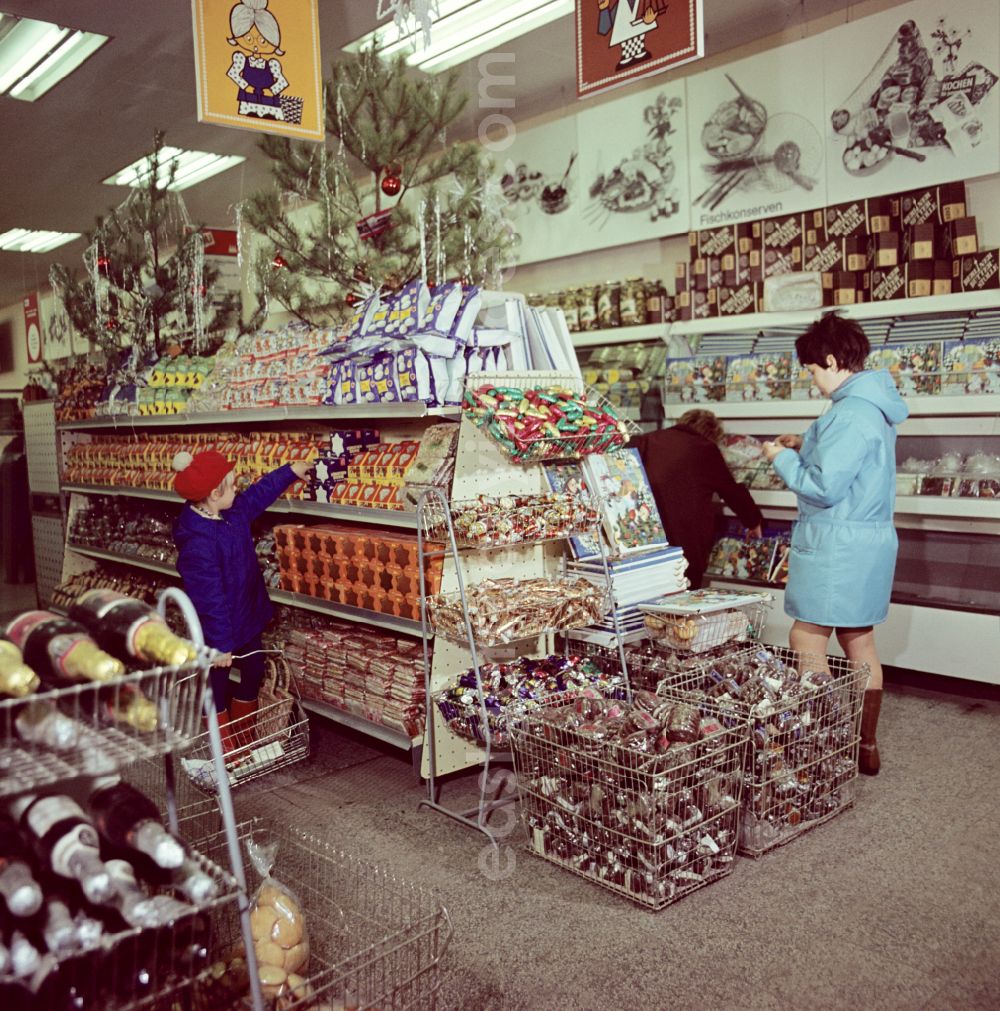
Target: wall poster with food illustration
(912, 98)
(755, 138)
(633, 168)
(540, 177)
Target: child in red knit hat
(218, 566)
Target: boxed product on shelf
(971, 365)
(804, 713)
(367, 569)
(915, 368)
(697, 379)
(838, 221)
(977, 271)
(639, 798)
(976, 476)
(888, 283)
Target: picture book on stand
(619, 483)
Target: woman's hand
(772, 449)
(790, 441)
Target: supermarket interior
(499, 505)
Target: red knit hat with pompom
(199, 475)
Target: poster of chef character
(912, 99)
(258, 65)
(622, 40)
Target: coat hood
(877, 388)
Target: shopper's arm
(833, 465)
(205, 583)
(264, 492)
(735, 495)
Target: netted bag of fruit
(278, 926)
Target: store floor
(893, 904)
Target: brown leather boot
(868, 758)
(224, 732)
(243, 715)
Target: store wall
(649, 259)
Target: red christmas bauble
(103, 262)
(278, 262)
(352, 298)
(391, 185)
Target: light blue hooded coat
(844, 545)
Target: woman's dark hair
(834, 335)
(703, 423)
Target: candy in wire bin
(544, 424)
(804, 715)
(494, 521)
(506, 610)
(512, 689)
(702, 620)
(640, 798)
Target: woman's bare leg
(805, 637)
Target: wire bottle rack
(803, 713)
(96, 730)
(463, 618)
(605, 793)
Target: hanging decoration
(410, 16)
(387, 120)
(145, 274)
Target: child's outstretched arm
(265, 491)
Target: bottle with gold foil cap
(60, 650)
(129, 628)
(131, 707)
(17, 679)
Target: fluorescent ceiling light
(192, 167)
(24, 240)
(465, 29)
(36, 55)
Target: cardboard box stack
(911, 245)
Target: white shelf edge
(928, 305)
(326, 510)
(109, 556)
(348, 719)
(359, 412)
(942, 506)
(405, 625)
(920, 407)
(620, 335)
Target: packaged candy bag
(277, 923)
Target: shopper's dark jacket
(685, 471)
(218, 564)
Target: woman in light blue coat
(843, 473)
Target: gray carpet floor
(895, 903)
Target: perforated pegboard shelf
(42, 447)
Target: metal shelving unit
(272, 415)
(297, 507)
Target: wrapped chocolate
(509, 690)
(543, 424)
(507, 610)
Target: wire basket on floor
(804, 714)
(274, 737)
(652, 826)
(703, 620)
(376, 942)
(92, 729)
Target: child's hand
(223, 660)
(302, 468)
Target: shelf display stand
(179, 697)
(481, 469)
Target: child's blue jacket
(218, 564)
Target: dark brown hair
(703, 423)
(837, 336)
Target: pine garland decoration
(145, 275)
(392, 121)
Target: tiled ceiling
(55, 151)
